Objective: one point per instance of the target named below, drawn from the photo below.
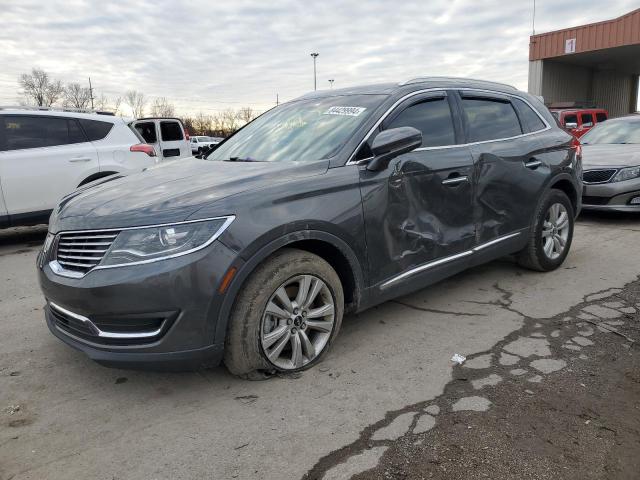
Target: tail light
(577, 147)
(186, 135)
(144, 148)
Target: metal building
(596, 64)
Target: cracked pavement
(387, 383)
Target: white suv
(46, 154)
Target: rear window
(530, 119)
(20, 132)
(490, 119)
(170, 131)
(95, 129)
(147, 131)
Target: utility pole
(315, 84)
(91, 93)
(331, 80)
(533, 22)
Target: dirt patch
(557, 408)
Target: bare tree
(229, 121)
(246, 114)
(202, 124)
(77, 96)
(38, 88)
(161, 107)
(104, 104)
(136, 101)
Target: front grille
(81, 251)
(590, 200)
(598, 176)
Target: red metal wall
(620, 31)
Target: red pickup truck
(579, 121)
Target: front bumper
(161, 315)
(615, 196)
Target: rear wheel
(551, 234)
(285, 317)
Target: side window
(490, 119)
(530, 119)
(147, 131)
(76, 135)
(22, 132)
(170, 131)
(432, 118)
(587, 120)
(95, 129)
(571, 120)
(601, 117)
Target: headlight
(149, 244)
(626, 174)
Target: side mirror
(388, 144)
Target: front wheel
(286, 315)
(551, 233)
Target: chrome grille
(598, 176)
(81, 251)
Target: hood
(170, 192)
(608, 156)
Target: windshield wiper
(238, 159)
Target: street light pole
(314, 55)
(331, 80)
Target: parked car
(612, 165)
(331, 203)
(201, 143)
(167, 135)
(579, 121)
(46, 154)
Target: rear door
(509, 174)
(172, 140)
(419, 209)
(45, 158)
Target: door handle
(452, 181)
(533, 163)
(80, 159)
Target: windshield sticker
(346, 111)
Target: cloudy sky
(208, 56)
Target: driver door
(418, 211)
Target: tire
(252, 327)
(534, 256)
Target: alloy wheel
(555, 231)
(297, 322)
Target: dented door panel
(507, 190)
(411, 217)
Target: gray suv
(325, 205)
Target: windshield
(609, 132)
(304, 130)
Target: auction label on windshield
(348, 111)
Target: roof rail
(457, 79)
(54, 109)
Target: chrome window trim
(102, 333)
(351, 160)
(443, 260)
(60, 270)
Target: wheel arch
(327, 246)
(96, 176)
(565, 184)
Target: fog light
(635, 201)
